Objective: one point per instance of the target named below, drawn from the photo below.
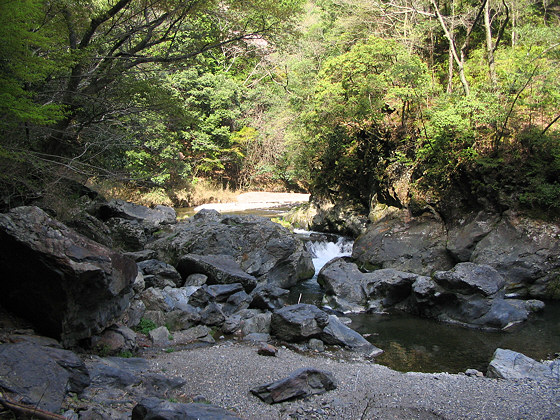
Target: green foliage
(145, 326)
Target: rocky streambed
(204, 303)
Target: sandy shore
(224, 373)
(257, 200)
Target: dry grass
(200, 192)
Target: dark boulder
(469, 278)
(387, 287)
(158, 409)
(237, 302)
(68, 286)
(268, 297)
(159, 274)
(416, 245)
(343, 281)
(298, 322)
(42, 376)
(262, 248)
(220, 269)
(508, 364)
(300, 384)
(335, 332)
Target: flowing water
(422, 345)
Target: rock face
(416, 245)
(508, 364)
(262, 249)
(68, 286)
(41, 375)
(301, 383)
(131, 226)
(524, 251)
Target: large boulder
(342, 281)
(335, 332)
(298, 322)
(526, 253)
(416, 245)
(220, 269)
(41, 376)
(159, 274)
(132, 225)
(262, 248)
(508, 364)
(68, 286)
(300, 384)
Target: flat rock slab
(508, 364)
(41, 375)
(300, 384)
(154, 408)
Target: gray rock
(154, 300)
(159, 274)
(198, 333)
(335, 332)
(127, 235)
(182, 319)
(153, 408)
(464, 234)
(300, 384)
(220, 269)
(160, 336)
(262, 248)
(196, 280)
(298, 322)
(257, 337)
(316, 345)
(342, 281)
(388, 285)
(469, 278)
(525, 252)
(212, 315)
(268, 297)
(416, 245)
(158, 216)
(68, 286)
(508, 364)
(255, 323)
(142, 255)
(116, 339)
(41, 376)
(237, 302)
(222, 292)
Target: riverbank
(224, 373)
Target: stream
(416, 344)
(423, 345)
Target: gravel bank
(224, 373)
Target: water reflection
(416, 344)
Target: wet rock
(68, 286)
(220, 269)
(153, 408)
(508, 364)
(335, 332)
(342, 281)
(301, 383)
(42, 376)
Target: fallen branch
(28, 411)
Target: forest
(340, 98)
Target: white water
(323, 250)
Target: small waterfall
(324, 247)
